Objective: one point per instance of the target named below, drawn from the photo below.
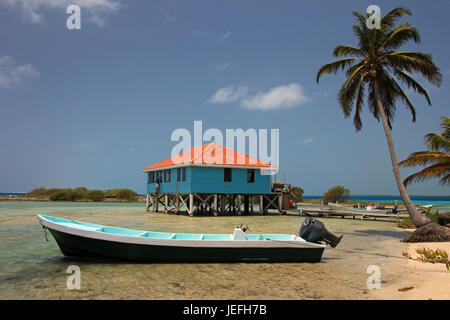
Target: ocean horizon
(375, 198)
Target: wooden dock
(317, 212)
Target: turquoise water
(33, 268)
(419, 200)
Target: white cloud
(307, 140)
(229, 94)
(12, 74)
(224, 66)
(226, 35)
(32, 9)
(281, 97)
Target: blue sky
(93, 107)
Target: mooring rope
(45, 232)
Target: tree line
(82, 194)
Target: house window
(227, 175)
(181, 174)
(159, 176)
(250, 175)
(167, 175)
(151, 177)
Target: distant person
(395, 210)
(157, 187)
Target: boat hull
(75, 245)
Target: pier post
(280, 204)
(147, 207)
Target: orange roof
(211, 154)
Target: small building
(210, 179)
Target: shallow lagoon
(33, 268)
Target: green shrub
(430, 256)
(337, 193)
(122, 194)
(81, 193)
(42, 193)
(298, 192)
(408, 224)
(95, 195)
(65, 195)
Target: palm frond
(415, 62)
(437, 142)
(390, 18)
(434, 171)
(359, 103)
(445, 180)
(423, 158)
(335, 66)
(372, 102)
(400, 35)
(411, 83)
(445, 124)
(348, 50)
(346, 95)
(399, 94)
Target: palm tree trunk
(417, 218)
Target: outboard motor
(313, 230)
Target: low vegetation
(408, 224)
(122, 194)
(82, 194)
(297, 192)
(335, 194)
(430, 256)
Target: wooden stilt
(239, 212)
(166, 203)
(177, 203)
(191, 204)
(261, 205)
(246, 204)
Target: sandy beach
(428, 281)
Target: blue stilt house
(209, 177)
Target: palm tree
(438, 157)
(376, 64)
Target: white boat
(77, 238)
